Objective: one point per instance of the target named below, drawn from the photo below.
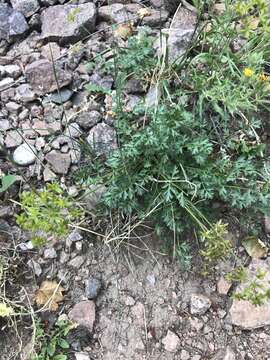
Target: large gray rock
(175, 40)
(68, 23)
(26, 7)
(102, 139)
(88, 119)
(242, 312)
(42, 78)
(12, 23)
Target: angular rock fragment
(175, 40)
(12, 23)
(60, 162)
(84, 314)
(199, 304)
(171, 342)
(45, 78)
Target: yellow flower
(263, 77)
(248, 72)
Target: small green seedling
(48, 211)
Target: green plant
(52, 345)
(252, 287)
(202, 143)
(215, 244)
(182, 251)
(239, 274)
(47, 212)
(6, 181)
(254, 290)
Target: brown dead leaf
(143, 13)
(49, 293)
(124, 31)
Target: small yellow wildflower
(248, 72)
(263, 77)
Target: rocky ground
(139, 304)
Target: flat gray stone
(59, 97)
(25, 94)
(60, 162)
(242, 312)
(68, 23)
(13, 138)
(50, 253)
